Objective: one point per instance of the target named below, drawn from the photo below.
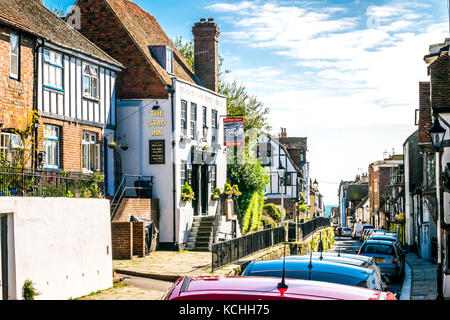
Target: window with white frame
(91, 152)
(53, 70)
(169, 60)
(214, 126)
(193, 120)
(184, 118)
(90, 81)
(10, 145)
(14, 62)
(51, 147)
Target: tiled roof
(146, 31)
(33, 17)
(294, 142)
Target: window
(204, 117)
(90, 81)
(169, 60)
(51, 147)
(193, 119)
(183, 118)
(213, 177)
(183, 173)
(91, 152)
(10, 145)
(214, 126)
(204, 123)
(53, 70)
(14, 62)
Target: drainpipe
(34, 159)
(174, 189)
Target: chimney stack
(283, 133)
(206, 53)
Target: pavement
(420, 281)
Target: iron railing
(132, 186)
(307, 228)
(21, 182)
(232, 250)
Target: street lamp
(437, 133)
(315, 184)
(281, 174)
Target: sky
(343, 73)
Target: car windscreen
(377, 248)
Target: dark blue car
(318, 270)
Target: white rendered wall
(62, 245)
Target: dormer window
(169, 60)
(164, 56)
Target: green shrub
(251, 219)
(186, 193)
(272, 211)
(29, 291)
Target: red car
(265, 288)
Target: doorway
(4, 257)
(200, 182)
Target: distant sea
(328, 210)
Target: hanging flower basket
(216, 194)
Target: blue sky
(342, 73)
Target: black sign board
(157, 152)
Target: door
(204, 189)
(4, 257)
(196, 176)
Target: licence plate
(379, 259)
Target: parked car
(346, 232)
(318, 270)
(387, 256)
(265, 288)
(387, 237)
(364, 230)
(348, 260)
(357, 228)
(369, 232)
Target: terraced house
(57, 112)
(48, 67)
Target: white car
(346, 232)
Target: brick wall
(425, 120)
(141, 208)
(138, 238)
(206, 37)
(100, 25)
(70, 148)
(122, 240)
(16, 96)
(440, 86)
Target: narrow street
(347, 245)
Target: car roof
(256, 285)
(345, 260)
(384, 242)
(303, 265)
(345, 255)
(382, 236)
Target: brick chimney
(283, 133)
(206, 53)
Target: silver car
(387, 256)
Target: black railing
(232, 250)
(132, 186)
(20, 182)
(307, 228)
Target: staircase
(201, 235)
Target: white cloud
(339, 74)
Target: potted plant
(186, 193)
(216, 194)
(228, 190)
(235, 192)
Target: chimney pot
(210, 19)
(202, 20)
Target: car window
(377, 249)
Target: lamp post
(281, 174)
(315, 186)
(437, 133)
